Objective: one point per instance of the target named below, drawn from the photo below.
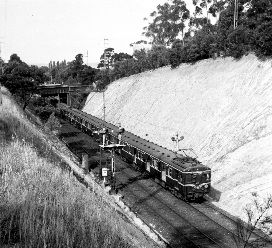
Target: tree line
(212, 29)
(176, 36)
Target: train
(186, 177)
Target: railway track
(197, 224)
(187, 225)
(143, 201)
(232, 225)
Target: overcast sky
(43, 30)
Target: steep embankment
(222, 107)
(43, 205)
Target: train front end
(198, 182)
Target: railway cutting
(181, 220)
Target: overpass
(63, 92)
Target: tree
(142, 60)
(76, 66)
(158, 56)
(258, 19)
(15, 58)
(1, 66)
(258, 215)
(200, 16)
(106, 59)
(21, 80)
(117, 57)
(168, 21)
(87, 75)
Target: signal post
(112, 148)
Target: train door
(148, 166)
(135, 155)
(163, 172)
(147, 162)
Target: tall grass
(40, 204)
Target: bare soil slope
(222, 107)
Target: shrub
(238, 42)
(176, 54)
(263, 39)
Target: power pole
(87, 56)
(1, 73)
(235, 15)
(1, 64)
(104, 106)
(106, 44)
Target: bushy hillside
(41, 203)
(222, 107)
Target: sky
(43, 30)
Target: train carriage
(185, 176)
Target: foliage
(44, 207)
(259, 22)
(22, 80)
(41, 204)
(168, 21)
(43, 107)
(106, 59)
(53, 123)
(74, 72)
(109, 58)
(258, 215)
(158, 56)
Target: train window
(163, 166)
(180, 177)
(188, 178)
(175, 174)
(193, 178)
(140, 155)
(151, 162)
(160, 166)
(170, 172)
(147, 158)
(130, 149)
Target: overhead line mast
(106, 43)
(235, 16)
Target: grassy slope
(223, 108)
(41, 205)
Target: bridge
(63, 92)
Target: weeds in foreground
(41, 206)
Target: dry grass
(40, 204)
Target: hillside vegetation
(41, 205)
(222, 107)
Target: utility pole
(1, 64)
(1, 72)
(87, 56)
(235, 15)
(106, 44)
(176, 139)
(104, 106)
